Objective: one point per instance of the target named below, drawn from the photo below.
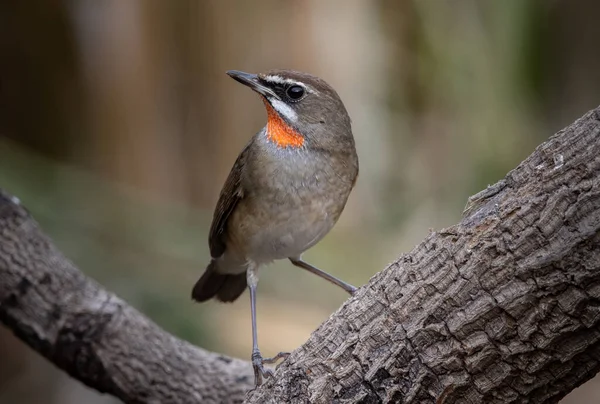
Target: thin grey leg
(257, 360)
(305, 265)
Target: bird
(285, 192)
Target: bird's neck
(279, 132)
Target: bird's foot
(276, 358)
(260, 371)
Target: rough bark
(501, 308)
(504, 307)
(93, 335)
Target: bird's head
(302, 110)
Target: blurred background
(118, 127)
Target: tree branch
(93, 335)
(502, 307)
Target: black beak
(252, 81)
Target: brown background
(118, 127)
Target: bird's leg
(257, 359)
(305, 265)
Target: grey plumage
(278, 202)
(285, 192)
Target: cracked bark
(93, 335)
(503, 307)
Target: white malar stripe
(284, 109)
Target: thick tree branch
(93, 335)
(503, 307)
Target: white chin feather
(284, 110)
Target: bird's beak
(252, 81)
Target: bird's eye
(295, 92)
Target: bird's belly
(288, 238)
(277, 232)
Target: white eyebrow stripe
(273, 78)
(280, 80)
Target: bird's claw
(280, 355)
(260, 371)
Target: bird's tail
(223, 287)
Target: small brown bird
(285, 191)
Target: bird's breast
(296, 175)
(292, 198)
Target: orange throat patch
(280, 132)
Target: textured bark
(503, 307)
(95, 336)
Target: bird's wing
(231, 194)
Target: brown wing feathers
(226, 288)
(230, 195)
